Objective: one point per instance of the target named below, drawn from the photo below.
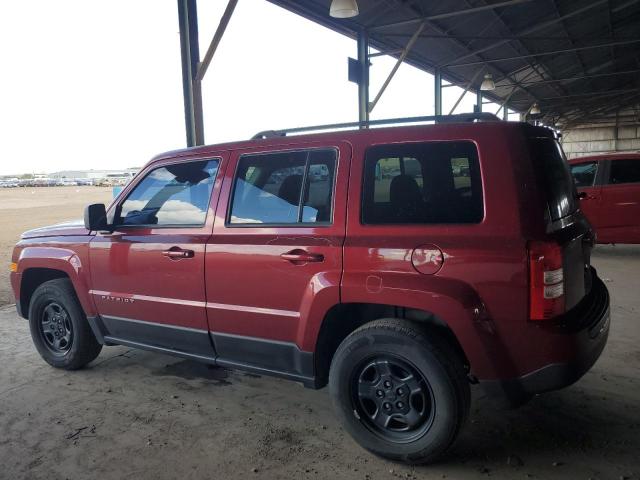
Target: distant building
(94, 174)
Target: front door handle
(175, 253)
(299, 256)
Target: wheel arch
(344, 318)
(37, 265)
(32, 278)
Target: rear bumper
(583, 331)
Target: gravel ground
(25, 208)
(135, 414)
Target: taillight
(546, 280)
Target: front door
(586, 177)
(274, 261)
(148, 274)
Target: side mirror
(95, 217)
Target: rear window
(554, 172)
(422, 183)
(625, 171)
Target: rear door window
(625, 171)
(284, 188)
(553, 171)
(584, 174)
(422, 183)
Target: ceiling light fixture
(343, 8)
(535, 109)
(487, 83)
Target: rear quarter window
(422, 183)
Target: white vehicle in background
(115, 180)
(9, 183)
(66, 182)
(44, 182)
(84, 181)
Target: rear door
(274, 261)
(621, 202)
(566, 224)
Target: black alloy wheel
(56, 328)
(400, 389)
(59, 327)
(393, 398)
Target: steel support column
(437, 81)
(478, 107)
(190, 56)
(363, 83)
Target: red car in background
(609, 188)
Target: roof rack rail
(461, 117)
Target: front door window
(170, 196)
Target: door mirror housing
(95, 217)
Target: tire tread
(88, 347)
(449, 360)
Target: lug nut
(387, 406)
(379, 393)
(400, 391)
(387, 384)
(400, 405)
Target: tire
(59, 327)
(410, 359)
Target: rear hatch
(566, 224)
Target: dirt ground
(22, 209)
(135, 414)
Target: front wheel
(401, 393)
(59, 327)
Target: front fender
(72, 262)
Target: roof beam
(442, 16)
(534, 65)
(401, 58)
(435, 26)
(510, 37)
(215, 41)
(542, 54)
(569, 79)
(592, 94)
(466, 89)
(534, 28)
(583, 68)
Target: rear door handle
(176, 253)
(299, 256)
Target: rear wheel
(401, 393)
(59, 327)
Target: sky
(96, 84)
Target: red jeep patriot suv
(397, 265)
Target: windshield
(556, 177)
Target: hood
(74, 227)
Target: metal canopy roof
(578, 59)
